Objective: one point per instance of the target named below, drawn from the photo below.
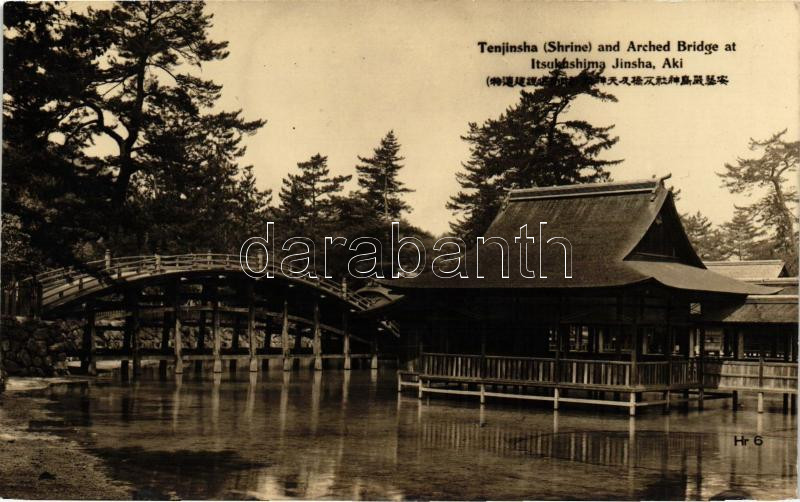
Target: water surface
(348, 435)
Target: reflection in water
(350, 435)
(316, 390)
(176, 401)
(251, 398)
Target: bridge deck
(183, 292)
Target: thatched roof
(749, 270)
(784, 285)
(620, 233)
(757, 309)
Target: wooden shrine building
(624, 325)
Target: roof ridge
(586, 189)
(743, 262)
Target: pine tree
(307, 198)
(705, 239)
(186, 195)
(354, 217)
(141, 94)
(251, 210)
(54, 197)
(770, 175)
(124, 73)
(742, 240)
(533, 143)
(292, 211)
(377, 177)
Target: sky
(334, 77)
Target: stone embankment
(31, 347)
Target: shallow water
(347, 435)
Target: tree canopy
(307, 198)
(705, 238)
(533, 143)
(767, 177)
(377, 178)
(112, 141)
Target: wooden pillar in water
(201, 334)
(165, 329)
(702, 366)
(634, 371)
(786, 348)
(89, 365)
(669, 344)
(216, 334)
(557, 366)
(130, 342)
(761, 381)
(124, 366)
(482, 367)
(135, 345)
(298, 343)
(285, 349)
(252, 348)
(345, 328)
(177, 339)
(740, 344)
(373, 364)
(317, 344)
(632, 404)
(346, 339)
(237, 331)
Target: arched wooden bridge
(208, 296)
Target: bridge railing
(27, 297)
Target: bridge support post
(216, 333)
(285, 349)
(373, 363)
(201, 336)
(317, 345)
(124, 366)
(165, 329)
(89, 365)
(251, 327)
(130, 344)
(345, 340)
(177, 341)
(298, 345)
(137, 357)
(237, 331)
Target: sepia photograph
(399, 250)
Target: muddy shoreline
(41, 465)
